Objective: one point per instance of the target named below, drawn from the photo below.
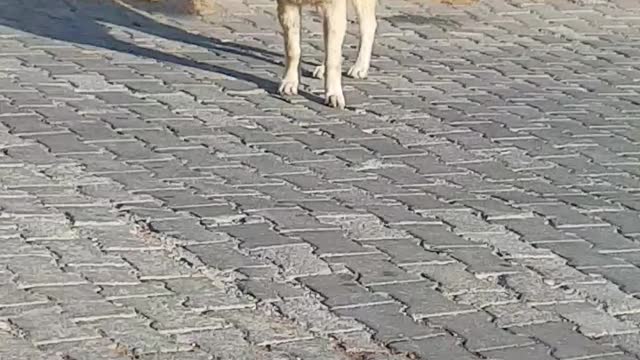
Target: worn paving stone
(532, 352)
(389, 322)
(341, 290)
(565, 343)
(477, 200)
(438, 347)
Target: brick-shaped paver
(478, 199)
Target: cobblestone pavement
(479, 200)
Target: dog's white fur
(334, 14)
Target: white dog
(334, 14)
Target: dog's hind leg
(366, 11)
(335, 28)
(289, 17)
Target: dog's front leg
(335, 27)
(366, 10)
(289, 16)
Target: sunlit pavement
(479, 198)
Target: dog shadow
(87, 22)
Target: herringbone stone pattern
(479, 199)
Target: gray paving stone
(14, 296)
(294, 153)
(565, 343)
(60, 329)
(436, 236)
(407, 251)
(160, 198)
(270, 291)
(509, 314)
(179, 198)
(258, 235)
(334, 243)
(102, 277)
(82, 312)
(443, 347)
(627, 222)
(452, 277)
(534, 290)
(605, 239)
(295, 220)
(341, 290)
(388, 322)
(136, 335)
(532, 352)
(133, 151)
(373, 269)
(593, 322)
(423, 203)
(186, 355)
(399, 215)
(228, 344)
(483, 262)
(580, 254)
(320, 319)
(626, 342)
(622, 276)
(14, 348)
(422, 300)
(170, 316)
(82, 252)
(565, 217)
(150, 267)
(89, 349)
(481, 335)
(25, 124)
(222, 256)
(41, 272)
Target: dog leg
(335, 28)
(366, 11)
(289, 16)
(318, 72)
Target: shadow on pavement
(81, 22)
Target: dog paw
(358, 71)
(318, 72)
(335, 100)
(289, 87)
